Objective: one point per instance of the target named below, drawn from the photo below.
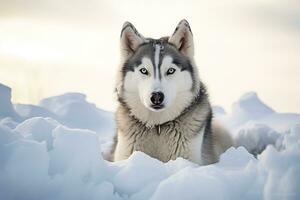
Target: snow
(255, 137)
(6, 107)
(27, 111)
(218, 111)
(74, 111)
(38, 129)
(249, 108)
(71, 110)
(53, 151)
(9, 122)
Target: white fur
(176, 88)
(123, 150)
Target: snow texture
(52, 151)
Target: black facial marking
(129, 66)
(161, 54)
(153, 43)
(161, 42)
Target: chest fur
(165, 143)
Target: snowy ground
(53, 151)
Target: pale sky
(51, 47)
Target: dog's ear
(182, 38)
(131, 39)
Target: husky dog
(164, 109)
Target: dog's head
(158, 78)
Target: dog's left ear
(182, 38)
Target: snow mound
(74, 111)
(9, 122)
(283, 172)
(255, 137)
(7, 135)
(28, 111)
(6, 107)
(249, 103)
(38, 129)
(77, 150)
(73, 169)
(281, 122)
(249, 108)
(218, 111)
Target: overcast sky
(51, 47)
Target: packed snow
(52, 151)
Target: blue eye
(171, 71)
(144, 71)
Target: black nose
(157, 98)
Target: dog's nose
(157, 98)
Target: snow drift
(53, 151)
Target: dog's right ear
(131, 39)
(182, 39)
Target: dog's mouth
(157, 107)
